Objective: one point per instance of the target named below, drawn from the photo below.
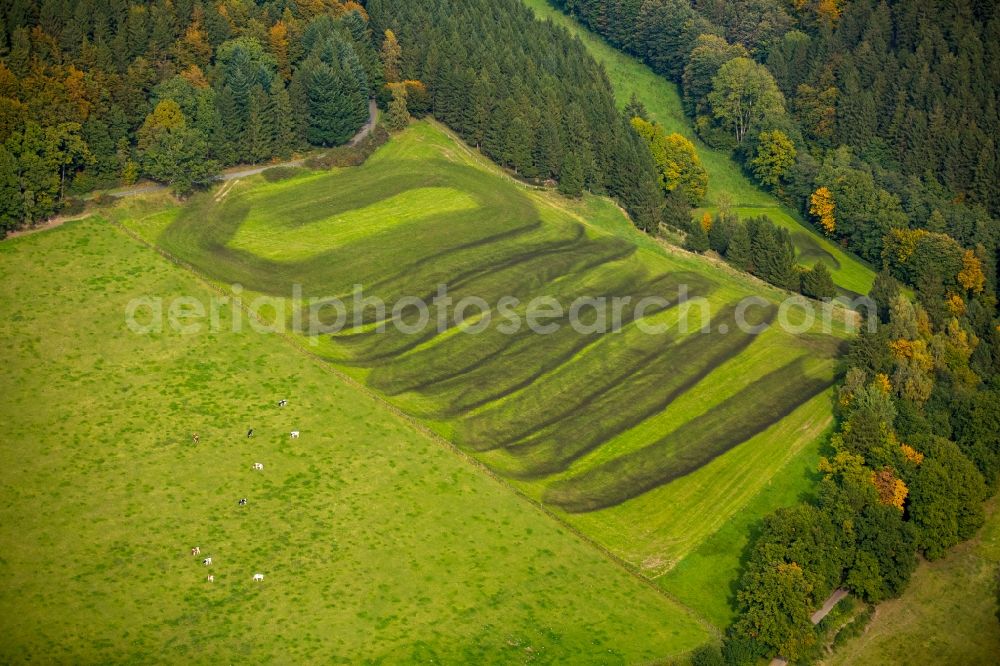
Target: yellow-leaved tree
(891, 491)
(822, 206)
(675, 159)
(971, 276)
(775, 156)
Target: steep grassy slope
(376, 542)
(647, 442)
(663, 101)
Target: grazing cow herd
(196, 551)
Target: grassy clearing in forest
(725, 177)
(541, 409)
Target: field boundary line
(412, 422)
(51, 223)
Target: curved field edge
(662, 100)
(375, 540)
(692, 445)
(649, 532)
(705, 578)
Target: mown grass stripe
(521, 279)
(543, 404)
(527, 359)
(648, 391)
(690, 446)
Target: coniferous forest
(525, 94)
(96, 94)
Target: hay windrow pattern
(692, 445)
(546, 402)
(648, 391)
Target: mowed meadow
(647, 443)
(377, 543)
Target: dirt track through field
(149, 188)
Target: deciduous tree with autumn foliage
(676, 159)
(823, 208)
(94, 78)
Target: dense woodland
(916, 453)
(886, 112)
(879, 121)
(97, 94)
(525, 94)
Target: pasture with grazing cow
(610, 430)
(374, 528)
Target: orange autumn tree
(391, 55)
(882, 382)
(351, 6)
(277, 41)
(971, 276)
(828, 11)
(821, 205)
(195, 77)
(706, 222)
(891, 491)
(911, 454)
(193, 48)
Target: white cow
(258, 577)
(258, 466)
(211, 578)
(207, 561)
(195, 551)
(295, 434)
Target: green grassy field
(920, 627)
(378, 544)
(662, 99)
(715, 561)
(647, 443)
